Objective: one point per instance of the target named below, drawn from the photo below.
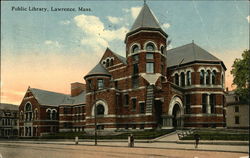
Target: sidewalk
(140, 144)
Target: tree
(240, 71)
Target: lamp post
(92, 87)
(95, 117)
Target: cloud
(135, 11)
(248, 18)
(166, 25)
(114, 20)
(126, 10)
(52, 43)
(96, 35)
(65, 22)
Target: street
(36, 150)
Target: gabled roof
(98, 70)
(55, 99)
(47, 97)
(5, 106)
(145, 21)
(189, 53)
(121, 58)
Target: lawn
(219, 134)
(146, 134)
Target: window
(150, 68)
(142, 108)
(204, 103)
(176, 79)
(150, 47)
(182, 79)
(202, 75)
(134, 104)
(135, 49)
(149, 56)
(100, 127)
(90, 84)
(48, 114)
(100, 84)
(212, 102)
(116, 84)
(100, 109)
(188, 78)
(208, 77)
(135, 81)
(162, 50)
(237, 120)
(36, 114)
(236, 109)
(126, 99)
(222, 80)
(107, 63)
(111, 62)
(188, 108)
(28, 107)
(135, 69)
(54, 115)
(135, 57)
(213, 76)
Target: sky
(49, 50)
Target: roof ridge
(48, 91)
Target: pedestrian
(132, 140)
(197, 138)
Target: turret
(145, 47)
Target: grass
(146, 134)
(219, 135)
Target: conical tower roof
(145, 21)
(98, 70)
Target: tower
(145, 47)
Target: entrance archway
(176, 112)
(176, 116)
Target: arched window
(162, 49)
(28, 112)
(182, 79)
(111, 62)
(213, 76)
(208, 77)
(150, 47)
(107, 63)
(176, 79)
(100, 109)
(28, 107)
(135, 49)
(49, 114)
(54, 115)
(188, 78)
(35, 114)
(202, 77)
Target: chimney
(77, 88)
